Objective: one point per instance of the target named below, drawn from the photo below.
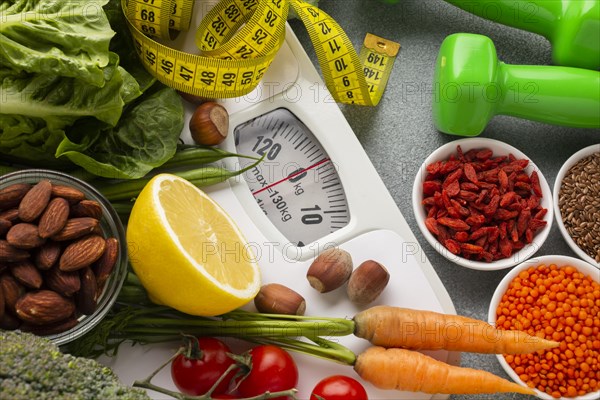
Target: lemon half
(187, 251)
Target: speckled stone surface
(399, 134)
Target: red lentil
(561, 304)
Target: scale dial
(297, 185)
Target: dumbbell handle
(573, 27)
(554, 95)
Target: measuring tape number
(238, 40)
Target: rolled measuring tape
(238, 40)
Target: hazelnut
(367, 282)
(209, 124)
(330, 270)
(274, 298)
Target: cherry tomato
(195, 372)
(339, 387)
(223, 396)
(272, 369)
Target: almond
(64, 283)
(330, 270)
(76, 228)
(12, 290)
(82, 253)
(11, 215)
(27, 274)
(367, 282)
(105, 265)
(4, 226)
(35, 201)
(44, 307)
(50, 329)
(87, 208)
(54, 218)
(68, 193)
(24, 236)
(274, 298)
(10, 253)
(11, 195)
(85, 298)
(47, 255)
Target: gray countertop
(399, 134)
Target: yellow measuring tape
(238, 40)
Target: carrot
(408, 370)
(414, 329)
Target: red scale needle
(323, 161)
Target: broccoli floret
(32, 367)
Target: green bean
(195, 155)
(201, 177)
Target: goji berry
(454, 223)
(478, 233)
(503, 181)
(428, 201)
(432, 225)
(533, 201)
(505, 215)
(449, 166)
(541, 213)
(535, 184)
(430, 187)
(432, 212)
(453, 246)
(444, 234)
(505, 247)
(471, 248)
(536, 224)
(484, 154)
(467, 196)
(475, 220)
(461, 236)
(453, 212)
(453, 189)
(434, 168)
(461, 156)
(526, 187)
(523, 221)
(453, 177)
(462, 211)
(528, 235)
(487, 256)
(491, 208)
(470, 186)
(470, 173)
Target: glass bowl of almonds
(62, 259)
(577, 203)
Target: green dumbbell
(572, 26)
(471, 86)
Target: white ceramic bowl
(560, 261)
(583, 153)
(499, 148)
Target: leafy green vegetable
(144, 138)
(60, 101)
(69, 95)
(69, 38)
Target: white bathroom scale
(315, 189)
